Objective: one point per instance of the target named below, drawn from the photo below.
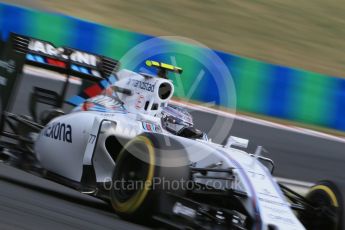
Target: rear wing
(19, 50)
(64, 59)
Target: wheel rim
(132, 174)
(131, 167)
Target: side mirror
(236, 141)
(267, 162)
(190, 132)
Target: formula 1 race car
(125, 144)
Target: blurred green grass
(307, 34)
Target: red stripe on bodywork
(93, 90)
(56, 63)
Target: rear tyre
(328, 199)
(142, 178)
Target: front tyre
(138, 191)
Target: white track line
(262, 122)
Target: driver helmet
(175, 118)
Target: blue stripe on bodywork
(112, 79)
(75, 100)
(104, 84)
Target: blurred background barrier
(264, 89)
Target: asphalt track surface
(297, 155)
(30, 202)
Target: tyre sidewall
(156, 199)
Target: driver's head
(175, 118)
